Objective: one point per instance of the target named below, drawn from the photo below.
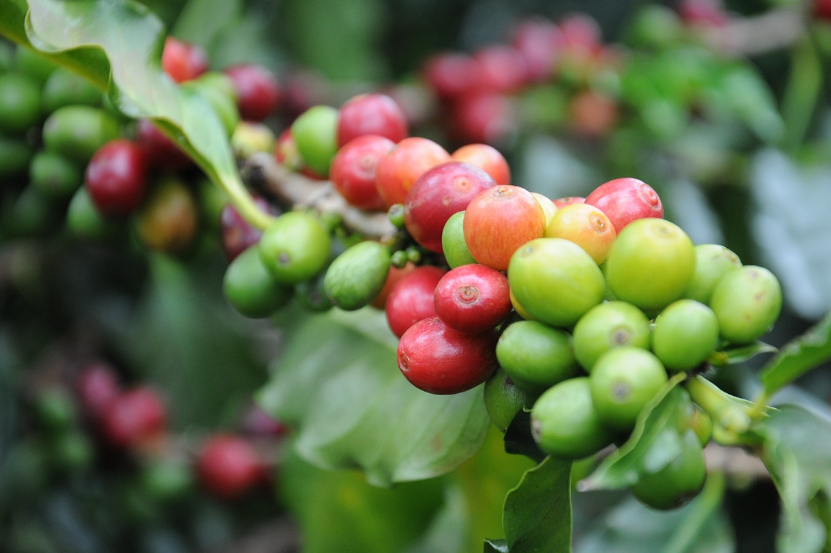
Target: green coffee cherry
(606, 326)
(535, 356)
(15, 154)
(315, 133)
(76, 132)
(504, 399)
(453, 242)
(55, 176)
(746, 302)
(295, 247)
(166, 481)
(65, 88)
(34, 64)
(678, 482)
(685, 334)
(356, 276)
(250, 288)
(19, 103)
(564, 422)
(712, 262)
(84, 219)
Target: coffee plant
(593, 356)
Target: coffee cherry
(97, 385)
(487, 158)
(450, 75)
(161, 151)
(411, 300)
(357, 275)
(623, 381)
(586, 226)
(19, 103)
(564, 422)
(625, 200)
(15, 155)
(404, 164)
(78, 132)
(539, 42)
(353, 170)
(228, 466)
(453, 242)
(65, 88)
(472, 298)
(134, 417)
(183, 61)
(250, 288)
(685, 334)
(256, 90)
(167, 220)
(606, 326)
(86, 221)
(394, 275)
(650, 264)
(116, 177)
(237, 233)
(548, 207)
(678, 482)
(54, 176)
(504, 399)
(501, 69)
(498, 221)
(535, 355)
(295, 247)
(375, 114)
(315, 134)
(555, 280)
(746, 301)
(712, 262)
(485, 117)
(435, 358)
(436, 195)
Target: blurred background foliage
(753, 174)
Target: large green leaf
(799, 356)
(797, 452)
(655, 441)
(700, 527)
(354, 409)
(118, 44)
(538, 511)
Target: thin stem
(802, 92)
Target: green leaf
(750, 100)
(354, 409)
(84, 34)
(519, 440)
(799, 356)
(655, 441)
(700, 527)
(448, 530)
(537, 513)
(739, 354)
(797, 453)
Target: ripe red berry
(822, 9)
(451, 75)
(376, 114)
(237, 233)
(411, 300)
(161, 151)
(625, 200)
(436, 195)
(501, 68)
(487, 158)
(229, 466)
(133, 417)
(472, 298)
(353, 170)
(437, 359)
(539, 42)
(97, 385)
(257, 91)
(483, 117)
(183, 61)
(116, 177)
(398, 170)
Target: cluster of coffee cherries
(92, 418)
(77, 159)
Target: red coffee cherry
(116, 177)
(625, 200)
(353, 170)
(258, 93)
(376, 114)
(437, 359)
(237, 233)
(183, 61)
(472, 298)
(450, 74)
(228, 466)
(161, 151)
(411, 300)
(134, 417)
(97, 385)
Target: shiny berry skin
(437, 359)
(487, 158)
(451, 75)
(183, 61)
(353, 170)
(133, 418)
(436, 195)
(116, 177)
(376, 114)
(97, 385)
(237, 233)
(625, 200)
(403, 165)
(161, 151)
(472, 298)
(258, 93)
(411, 300)
(228, 466)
